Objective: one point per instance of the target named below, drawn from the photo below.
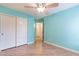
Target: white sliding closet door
(7, 31)
(0, 33)
(21, 31)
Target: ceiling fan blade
(29, 7)
(52, 5)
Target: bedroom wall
(62, 28)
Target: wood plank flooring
(37, 49)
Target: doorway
(39, 33)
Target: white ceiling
(34, 12)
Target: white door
(21, 31)
(8, 30)
(0, 34)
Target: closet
(13, 31)
(7, 31)
(21, 31)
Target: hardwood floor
(37, 49)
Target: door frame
(42, 31)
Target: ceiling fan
(42, 6)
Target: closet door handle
(2, 33)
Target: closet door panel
(0, 35)
(21, 31)
(8, 30)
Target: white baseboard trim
(31, 42)
(68, 49)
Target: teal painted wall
(30, 19)
(62, 28)
(31, 30)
